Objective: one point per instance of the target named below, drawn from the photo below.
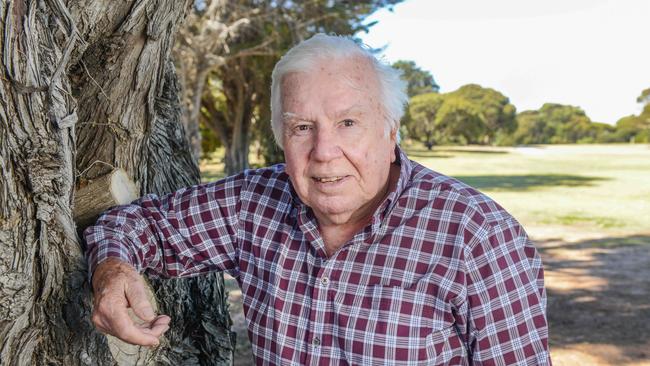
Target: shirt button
(325, 281)
(315, 342)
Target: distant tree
(553, 124)
(459, 121)
(572, 125)
(418, 81)
(495, 110)
(532, 129)
(444, 118)
(644, 98)
(636, 128)
(633, 129)
(423, 110)
(599, 133)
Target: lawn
(603, 188)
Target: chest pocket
(390, 324)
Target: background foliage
(226, 53)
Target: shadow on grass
(599, 293)
(427, 155)
(605, 243)
(474, 151)
(449, 152)
(526, 182)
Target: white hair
(321, 47)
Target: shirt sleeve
(506, 298)
(182, 234)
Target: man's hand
(117, 286)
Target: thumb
(136, 295)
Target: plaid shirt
(440, 273)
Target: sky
(594, 54)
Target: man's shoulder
(265, 180)
(455, 196)
(273, 174)
(270, 182)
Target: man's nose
(326, 145)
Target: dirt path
(598, 299)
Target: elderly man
(349, 253)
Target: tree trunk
(44, 295)
(89, 85)
(194, 84)
(237, 152)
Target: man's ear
(393, 140)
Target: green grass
(586, 188)
(212, 168)
(604, 188)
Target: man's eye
(302, 129)
(348, 123)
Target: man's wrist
(109, 268)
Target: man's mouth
(328, 179)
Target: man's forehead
(351, 68)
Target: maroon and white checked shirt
(440, 273)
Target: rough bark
(88, 84)
(44, 295)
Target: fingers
(158, 326)
(118, 286)
(136, 295)
(125, 329)
(120, 325)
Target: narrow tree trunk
(191, 120)
(237, 152)
(105, 65)
(240, 113)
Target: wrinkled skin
(118, 286)
(337, 148)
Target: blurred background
(544, 106)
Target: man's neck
(335, 236)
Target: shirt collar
(406, 167)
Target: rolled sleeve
(182, 234)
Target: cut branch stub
(112, 189)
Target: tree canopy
(235, 45)
(473, 114)
(469, 115)
(495, 111)
(418, 81)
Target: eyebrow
(289, 116)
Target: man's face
(337, 149)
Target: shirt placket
(318, 337)
(318, 282)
